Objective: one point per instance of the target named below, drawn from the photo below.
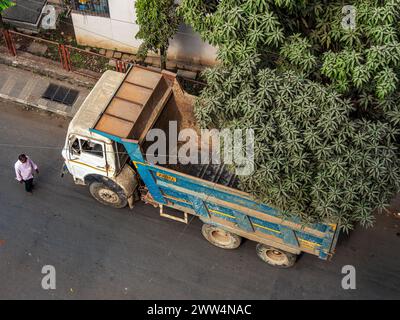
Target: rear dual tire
(227, 240)
(275, 257)
(220, 237)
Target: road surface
(103, 253)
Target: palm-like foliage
(313, 158)
(323, 100)
(307, 36)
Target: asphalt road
(103, 253)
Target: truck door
(86, 156)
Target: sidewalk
(48, 68)
(26, 87)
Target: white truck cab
(94, 160)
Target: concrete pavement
(25, 87)
(100, 253)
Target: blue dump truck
(105, 149)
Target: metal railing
(71, 58)
(77, 60)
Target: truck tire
(107, 195)
(275, 257)
(221, 238)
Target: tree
(4, 4)
(158, 22)
(307, 36)
(323, 100)
(314, 158)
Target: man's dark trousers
(28, 185)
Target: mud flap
(131, 201)
(133, 198)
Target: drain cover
(60, 94)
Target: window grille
(91, 7)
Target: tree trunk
(1, 23)
(163, 57)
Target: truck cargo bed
(136, 104)
(210, 191)
(218, 173)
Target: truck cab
(120, 104)
(95, 160)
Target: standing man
(24, 168)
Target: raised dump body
(136, 104)
(208, 191)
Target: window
(80, 146)
(92, 148)
(91, 7)
(75, 148)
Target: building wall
(118, 33)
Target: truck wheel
(275, 257)
(106, 195)
(221, 238)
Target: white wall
(118, 33)
(105, 33)
(123, 10)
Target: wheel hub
(108, 195)
(276, 256)
(221, 237)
